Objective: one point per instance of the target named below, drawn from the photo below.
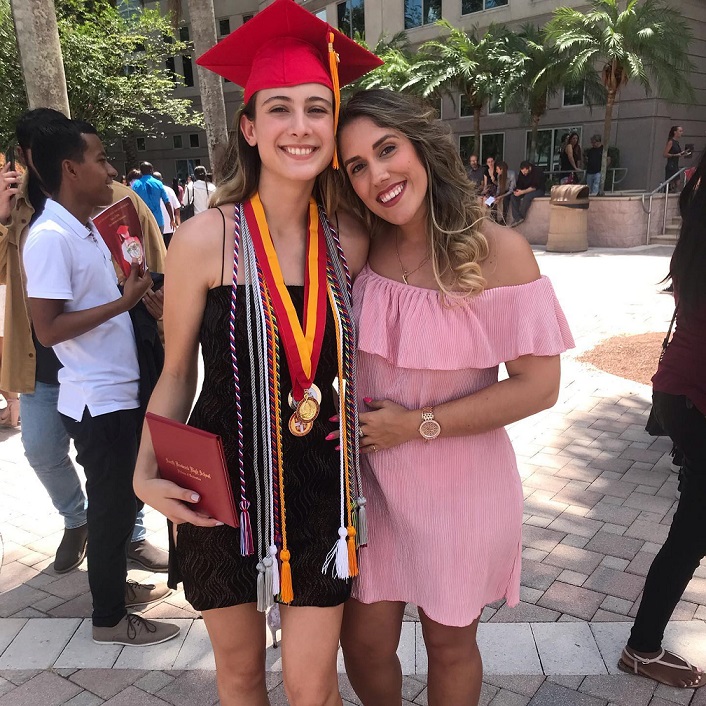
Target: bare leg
(455, 666)
(238, 638)
(370, 635)
(309, 646)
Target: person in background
(199, 191)
(178, 189)
(168, 230)
(78, 309)
(679, 405)
(594, 157)
(132, 176)
(491, 178)
(570, 159)
(530, 185)
(153, 193)
(507, 181)
(32, 369)
(476, 173)
(446, 297)
(672, 152)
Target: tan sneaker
(135, 630)
(141, 593)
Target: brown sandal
(632, 664)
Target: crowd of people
(352, 305)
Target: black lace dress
(208, 560)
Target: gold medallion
(313, 392)
(307, 409)
(298, 427)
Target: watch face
(430, 429)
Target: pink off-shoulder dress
(445, 517)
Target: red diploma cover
(119, 226)
(193, 459)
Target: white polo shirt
(65, 259)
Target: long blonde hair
(239, 168)
(453, 212)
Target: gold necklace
(406, 273)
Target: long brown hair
(453, 213)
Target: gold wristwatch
(429, 428)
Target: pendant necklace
(406, 273)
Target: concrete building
(640, 123)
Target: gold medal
(298, 427)
(307, 409)
(313, 392)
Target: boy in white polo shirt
(77, 309)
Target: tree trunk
(476, 131)
(610, 102)
(532, 156)
(203, 33)
(130, 150)
(40, 54)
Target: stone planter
(613, 221)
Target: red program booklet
(194, 459)
(119, 226)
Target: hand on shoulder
(511, 260)
(355, 240)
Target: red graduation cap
(285, 45)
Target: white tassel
(275, 570)
(337, 558)
(269, 597)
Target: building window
(224, 27)
(421, 12)
(140, 144)
(465, 109)
(176, 140)
(549, 146)
(184, 33)
(492, 144)
(247, 18)
(468, 6)
(194, 139)
(573, 95)
(351, 18)
(495, 106)
(171, 68)
(188, 70)
(185, 168)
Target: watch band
(429, 428)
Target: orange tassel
(333, 60)
(352, 558)
(286, 592)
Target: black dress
(207, 559)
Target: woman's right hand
(172, 501)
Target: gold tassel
(333, 60)
(286, 591)
(352, 558)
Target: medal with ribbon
(301, 341)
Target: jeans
(521, 204)
(46, 446)
(676, 562)
(593, 182)
(106, 447)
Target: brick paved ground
(599, 497)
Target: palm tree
(476, 65)
(646, 42)
(37, 35)
(396, 69)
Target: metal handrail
(663, 186)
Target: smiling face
(385, 171)
(293, 131)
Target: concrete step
(672, 229)
(664, 239)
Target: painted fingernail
(332, 435)
(334, 418)
(219, 523)
(367, 400)
(338, 448)
(194, 497)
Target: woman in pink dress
(445, 298)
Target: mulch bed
(631, 357)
